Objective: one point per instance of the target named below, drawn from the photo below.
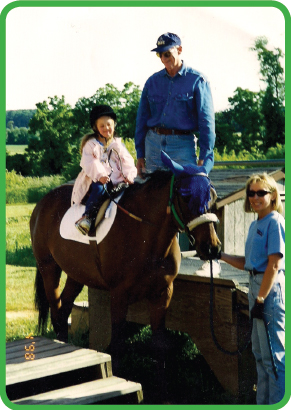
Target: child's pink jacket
(95, 164)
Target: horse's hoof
(62, 338)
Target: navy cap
(166, 41)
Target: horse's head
(192, 196)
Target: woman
(265, 261)
(104, 159)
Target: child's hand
(104, 180)
(128, 181)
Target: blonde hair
(270, 184)
(86, 138)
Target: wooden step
(111, 390)
(50, 364)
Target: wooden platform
(40, 369)
(189, 313)
(97, 391)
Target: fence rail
(280, 162)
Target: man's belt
(167, 131)
(254, 272)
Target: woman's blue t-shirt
(266, 236)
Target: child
(104, 158)
(265, 261)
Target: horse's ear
(176, 168)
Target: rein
(211, 305)
(239, 351)
(131, 215)
(171, 208)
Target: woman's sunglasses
(260, 193)
(166, 54)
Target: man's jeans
(181, 148)
(269, 390)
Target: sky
(73, 51)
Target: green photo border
(128, 3)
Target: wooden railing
(271, 162)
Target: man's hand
(140, 165)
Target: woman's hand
(257, 311)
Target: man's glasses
(260, 193)
(166, 54)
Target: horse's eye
(186, 198)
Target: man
(176, 102)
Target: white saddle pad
(69, 231)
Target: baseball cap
(166, 41)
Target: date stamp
(31, 348)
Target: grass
(16, 149)
(21, 317)
(29, 190)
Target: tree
(273, 109)
(270, 68)
(108, 95)
(226, 137)
(274, 119)
(51, 147)
(127, 114)
(246, 114)
(124, 103)
(20, 118)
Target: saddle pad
(69, 231)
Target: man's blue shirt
(182, 102)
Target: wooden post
(189, 313)
(99, 319)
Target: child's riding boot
(83, 224)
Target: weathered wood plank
(42, 349)
(87, 393)
(58, 365)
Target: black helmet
(100, 111)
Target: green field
(21, 317)
(16, 149)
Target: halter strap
(172, 206)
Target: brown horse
(137, 259)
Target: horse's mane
(158, 179)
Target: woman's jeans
(269, 390)
(180, 148)
(95, 200)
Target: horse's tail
(40, 301)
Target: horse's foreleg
(158, 309)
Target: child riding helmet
(100, 111)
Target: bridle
(201, 219)
(205, 218)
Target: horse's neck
(154, 204)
